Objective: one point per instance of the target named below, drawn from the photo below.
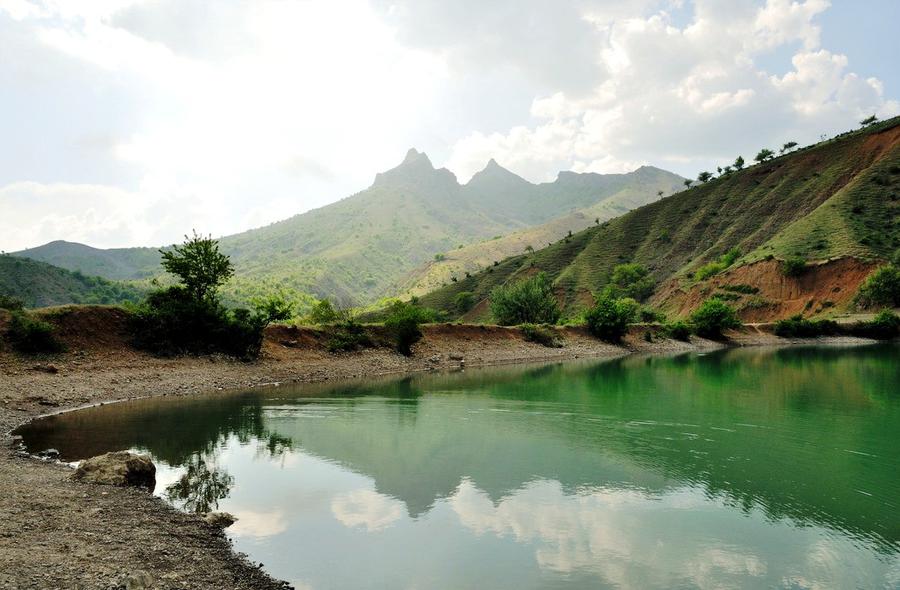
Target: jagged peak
(416, 164)
(494, 170)
(414, 156)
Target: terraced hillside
(833, 205)
(39, 284)
(365, 246)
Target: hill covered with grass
(39, 284)
(815, 208)
(367, 246)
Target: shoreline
(59, 533)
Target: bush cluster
(403, 321)
(793, 266)
(172, 321)
(11, 303)
(608, 319)
(530, 301)
(714, 268)
(679, 330)
(884, 326)
(189, 318)
(348, 335)
(713, 317)
(544, 335)
(881, 288)
(631, 280)
(799, 327)
(30, 336)
(464, 301)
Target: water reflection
(200, 487)
(746, 468)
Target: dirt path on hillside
(56, 533)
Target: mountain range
(378, 242)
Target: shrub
(609, 318)
(30, 336)
(885, 325)
(793, 266)
(650, 316)
(730, 257)
(11, 303)
(464, 301)
(679, 331)
(544, 335)
(714, 268)
(799, 327)
(323, 313)
(708, 270)
(881, 288)
(712, 317)
(403, 322)
(528, 301)
(631, 280)
(347, 336)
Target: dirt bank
(762, 292)
(56, 533)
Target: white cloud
(237, 114)
(367, 508)
(257, 525)
(687, 98)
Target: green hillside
(114, 264)
(39, 285)
(633, 190)
(835, 199)
(366, 246)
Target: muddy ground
(56, 533)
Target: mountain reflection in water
(748, 467)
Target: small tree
(323, 312)
(403, 323)
(659, 194)
(704, 177)
(739, 163)
(609, 318)
(199, 265)
(869, 121)
(788, 146)
(763, 155)
(712, 317)
(688, 182)
(530, 301)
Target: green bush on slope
(527, 301)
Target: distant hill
(367, 246)
(39, 284)
(835, 205)
(115, 263)
(626, 192)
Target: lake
(744, 468)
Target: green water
(753, 468)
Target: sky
(134, 122)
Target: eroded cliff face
(761, 292)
